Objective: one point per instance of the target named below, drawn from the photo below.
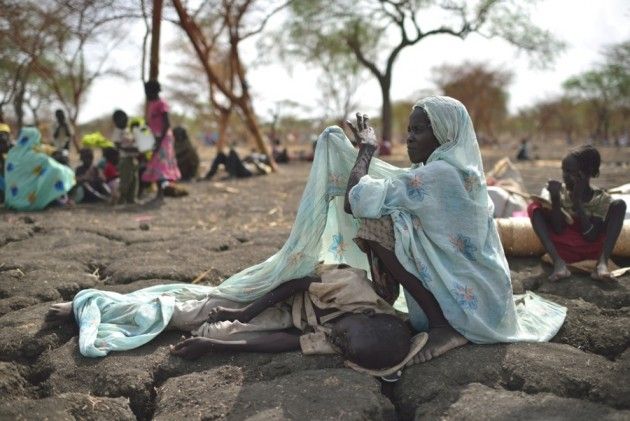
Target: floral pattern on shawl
(338, 246)
(465, 296)
(464, 245)
(415, 187)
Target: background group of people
(34, 175)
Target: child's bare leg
(541, 228)
(60, 313)
(282, 341)
(442, 336)
(614, 224)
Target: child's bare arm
(558, 222)
(281, 341)
(281, 293)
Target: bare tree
(364, 29)
(482, 89)
(227, 24)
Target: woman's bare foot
(601, 272)
(560, 271)
(60, 313)
(441, 340)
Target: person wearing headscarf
(430, 228)
(33, 179)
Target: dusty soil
(223, 227)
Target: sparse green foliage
(374, 32)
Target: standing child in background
(127, 164)
(162, 167)
(61, 138)
(110, 171)
(595, 219)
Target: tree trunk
(386, 110)
(254, 129)
(18, 106)
(224, 118)
(154, 66)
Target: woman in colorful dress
(33, 179)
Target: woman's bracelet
(588, 230)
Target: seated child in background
(110, 170)
(127, 164)
(583, 222)
(335, 311)
(253, 164)
(91, 186)
(186, 154)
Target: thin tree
(366, 27)
(227, 26)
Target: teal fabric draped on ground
(323, 232)
(33, 179)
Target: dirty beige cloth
(380, 230)
(345, 289)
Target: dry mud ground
(221, 228)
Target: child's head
(60, 115)
(582, 162)
(373, 341)
(180, 134)
(87, 156)
(152, 89)
(120, 119)
(111, 155)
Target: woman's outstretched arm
(366, 139)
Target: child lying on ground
(335, 311)
(583, 222)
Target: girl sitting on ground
(583, 222)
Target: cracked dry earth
(220, 229)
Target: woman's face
(421, 141)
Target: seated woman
(430, 228)
(583, 222)
(33, 179)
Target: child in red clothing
(583, 222)
(110, 171)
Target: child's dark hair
(119, 115)
(383, 341)
(86, 154)
(152, 87)
(110, 154)
(588, 159)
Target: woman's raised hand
(363, 133)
